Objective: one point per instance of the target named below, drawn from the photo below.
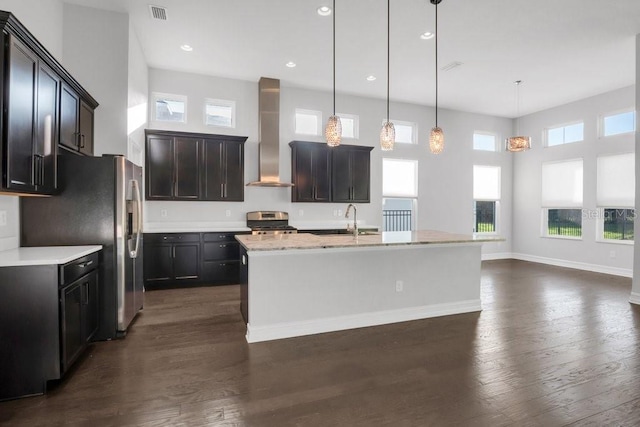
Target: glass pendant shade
(387, 136)
(333, 131)
(518, 143)
(436, 140)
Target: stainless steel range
(269, 222)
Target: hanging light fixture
(436, 137)
(333, 130)
(518, 143)
(388, 132)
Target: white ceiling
(562, 50)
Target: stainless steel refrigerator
(99, 203)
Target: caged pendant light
(518, 143)
(333, 130)
(436, 137)
(388, 132)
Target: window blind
(486, 182)
(562, 184)
(616, 186)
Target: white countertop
(44, 255)
(389, 238)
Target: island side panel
(301, 292)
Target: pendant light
(436, 137)
(518, 143)
(388, 132)
(333, 130)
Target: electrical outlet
(3, 218)
(612, 254)
(228, 213)
(163, 213)
(339, 212)
(399, 285)
(300, 212)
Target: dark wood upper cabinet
(324, 174)
(190, 166)
(41, 105)
(351, 174)
(310, 172)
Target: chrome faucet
(355, 219)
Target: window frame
(496, 145)
(600, 227)
(496, 214)
(412, 125)
(356, 124)
(156, 96)
(545, 133)
(544, 232)
(316, 113)
(221, 103)
(603, 116)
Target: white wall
(96, 53)
(138, 90)
(527, 213)
(45, 23)
(445, 181)
(635, 291)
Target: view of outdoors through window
(396, 215)
(485, 216)
(618, 224)
(170, 110)
(564, 222)
(219, 115)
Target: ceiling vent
(451, 65)
(158, 12)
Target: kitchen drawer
(221, 272)
(78, 268)
(171, 237)
(222, 250)
(218, 237)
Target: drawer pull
(223, 246)
(85, 264)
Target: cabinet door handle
(225, 191)
(85, 264)
(82, 141)
(86, 293)
(223, 246)
(174, 252)
(76, 136)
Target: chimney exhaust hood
(269, 127)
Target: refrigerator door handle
(138, 220)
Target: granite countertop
(231, 226)
(390, 238)
(44, 255)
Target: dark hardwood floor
(551, 347)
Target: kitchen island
(302, 284)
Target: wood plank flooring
(551, 347)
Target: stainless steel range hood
(269, 127)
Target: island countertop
(388, 238)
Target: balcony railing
(396, 220)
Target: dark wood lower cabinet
(190, 259)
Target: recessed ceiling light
(371, 78)
(290, 64)
(186, 48)
(427, 35)
(324, 11)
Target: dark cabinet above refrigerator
(33, 84)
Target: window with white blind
(562, 188)
(615, 197)
(400, 194)
(486, 197)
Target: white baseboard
(340, 323)
(615, 271)
(497, 255)
(634, 298)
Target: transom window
(484, 141)
(405, 131)
(565, 134)
(308, 122)
(350, 124)
(619, 123)
(169, 108)
(220, 112)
